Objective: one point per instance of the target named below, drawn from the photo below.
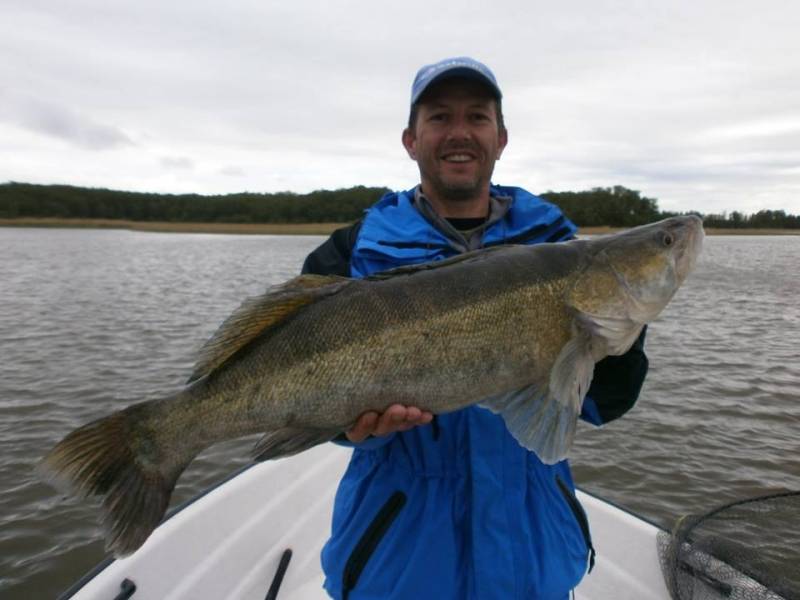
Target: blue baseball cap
(460, 66)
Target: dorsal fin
(259, 314)
(471, 256)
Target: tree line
(763, 219)
(19, 200)
(615, 206)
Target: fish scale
(516, 329)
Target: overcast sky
(695, 103)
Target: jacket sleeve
(333, 256)
(616, 384)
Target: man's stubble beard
(456, 192)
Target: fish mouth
(691, 236)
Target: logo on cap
(462, 66)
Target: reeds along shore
(284, 228)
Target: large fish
(517, 329)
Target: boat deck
(228, 543)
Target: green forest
(615, 206)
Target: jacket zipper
(369, 541)
(580, 517)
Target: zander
(516, 329)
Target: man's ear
(503, 139)
(410, 143)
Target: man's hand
(395, 418)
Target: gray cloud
(231, 171)
(177, 162)
(62, 123)
(671, 99)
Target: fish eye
(667, 239)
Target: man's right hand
(395, 418)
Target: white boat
(230, 542)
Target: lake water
(93, 320)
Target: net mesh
(744, 550)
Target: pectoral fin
(618, 334)
(607, 309)
(544, 420)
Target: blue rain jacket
(456, 509)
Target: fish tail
(117, 459)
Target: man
(454, 507)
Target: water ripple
(93, 321)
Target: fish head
(631, 276)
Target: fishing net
(744, 550)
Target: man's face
(456, 140)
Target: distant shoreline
(178, 227)
(281, 228)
